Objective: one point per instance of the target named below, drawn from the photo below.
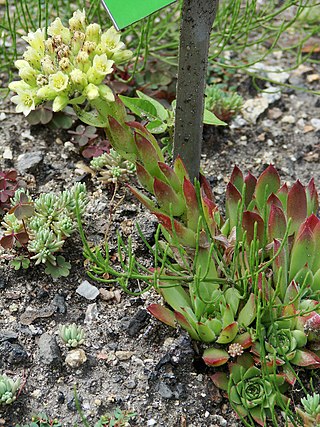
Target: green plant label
(126, 12)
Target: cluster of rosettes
(112, 167)
(69, 66)
(52, 221)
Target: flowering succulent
(73, 335)
(251, 393)
(69, 66)
(8, 389)
(41, 226)
(112, 167)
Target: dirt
(133, 361)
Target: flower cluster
(69, 66)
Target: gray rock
(14, 354)
(164, 391)
(88, 291)
(315, 123)
(137, 322)
(91, 313)
(49, 351)
(27, 162)
(59, 303)
(8, 336)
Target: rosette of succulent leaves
(112, 167)
(8, 389)
(69, 66)
(249, 282)
(72, 335)
(35, 230)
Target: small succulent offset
(310, 413)
(72, 335)
(38, 229)
(69, 66)
(223, 104)
(112, 167)
(8, 389)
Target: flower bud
(63, 52)
(58, 29)
(19, 86)
(42, 80)
(89, 47)
(83, 60)
(78, 79)
(93, 33)
(65, 64)
(122, 56)
(77, 41)
(58, 81)
(60, 102)
(33, 57)
(91, 92)
(106, 93)
(78, 21)
(49, 46)
(57, 42)
(46, 93)
(48, 65)
(21, 63)
(29, 75)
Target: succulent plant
(72, 335)
(69, 66)
(112, 167)
(41, 226)
(8, 389)
(251, 392)
(222, 103)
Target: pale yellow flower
(36, 40)
(78, 21)
(110, 41)
(100, 68)
(58, 29)
(58, 81)
(26, 101)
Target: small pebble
(76, 358)
(88, 291)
